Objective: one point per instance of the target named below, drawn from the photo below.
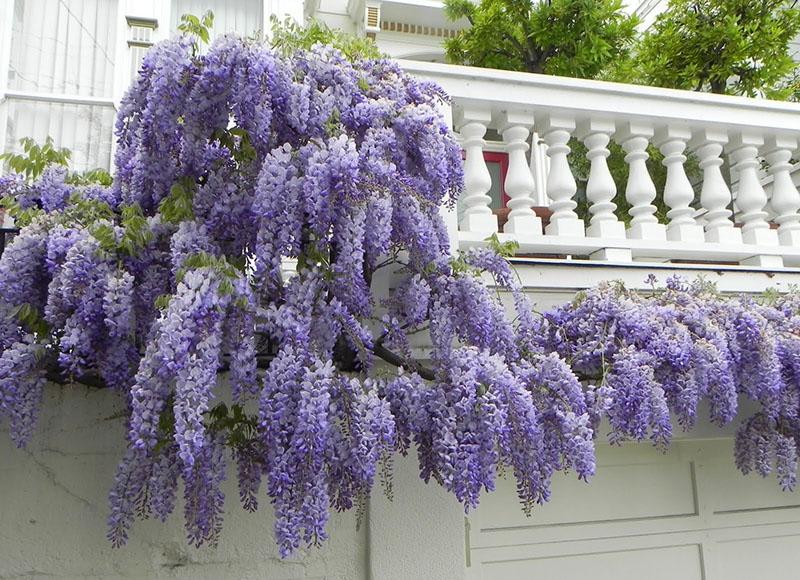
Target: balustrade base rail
(643, 250)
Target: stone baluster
(540, 168)
(640, 190)
(715, 196)
(561, 186)
(601, 189)
(678, 191)
(751, 199)
(785, 199)
(519, 183)
(477, 216)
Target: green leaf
(29, 317)
(225, 288)
(105, 235)
(197, 28)
(35, 158)
(288, 37)
(162, 301)
(504, 249)
(178, 205)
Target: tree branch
(395, 359)
(92, 380)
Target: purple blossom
(22, 379)
(162, 486)
(202, 494)
(343, 168)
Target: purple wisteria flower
(275, 221)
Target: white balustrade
(540, 164)
(561, 186)
(678, 190)
(478, 216)
(519, 183)
(751, 199)
(601, 189)
(705, 223)
(640, 191)
(785, 199)
(715, 196)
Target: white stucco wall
(53, 498)
(53, 509)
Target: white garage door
(685, 515)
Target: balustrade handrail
(520, 90)
(746, 133)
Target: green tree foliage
(575, 38)
(721, 46)
(288, 36)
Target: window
(61, 47)
(242, 16)
(497, 163)
(61, 77)
(140, 39)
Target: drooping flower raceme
(235, 163)
(657, 355)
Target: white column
(785, 199)
(477, 216)
(601, 189)
(561, 186)
(166, 27)
(519, 183)
(6, 29)
(678, 191)
(751, 198)
(122, 54)
(540, 168)
(715, 196)
(640, 190)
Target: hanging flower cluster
(658, 355)
(229, 164)
(234, 163)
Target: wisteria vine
(234, 163)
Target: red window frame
(501, 159)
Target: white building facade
(687, 514)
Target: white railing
(765, 232)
